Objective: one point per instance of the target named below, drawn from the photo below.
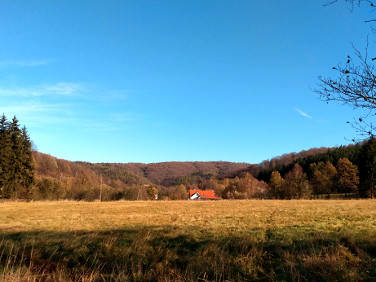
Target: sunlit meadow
(332, 240)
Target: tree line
(348, 171)
(325, 179)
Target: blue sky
(154, 81)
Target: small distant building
(202, 195)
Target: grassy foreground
(189, 241)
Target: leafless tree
(354, 83)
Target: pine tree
(5, 156)
(367, 169)
(27, 168)
(16, 161)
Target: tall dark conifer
(16, 161)
(16, 165)
(27, 172)
(5, 156)
(367, 169)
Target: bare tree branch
(355, 86)
(352, 2)
(354, 83)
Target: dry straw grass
(185, 240)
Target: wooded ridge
(57, 178)
(348, 171)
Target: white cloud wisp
(303, 113)
(61, 88)
(25, 63)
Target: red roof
(205, 194)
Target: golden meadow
(244, 240)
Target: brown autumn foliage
(348, 178)
(296, 184)
(166, 173)
(302, 174)
(323, 177)
(62, 179)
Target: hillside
(61, 179)
(174, 173)
(165, 173)
(169, 173)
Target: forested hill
(174, 173)
(165, 173)
(171, 173)
(318, 172)
(305, 158)
(312, 173)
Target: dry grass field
(323, 240)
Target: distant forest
(346, 171)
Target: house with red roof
(202, 195)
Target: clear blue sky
(153, 81)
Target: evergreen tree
(27, 169)
(367, 169)
(16, 165)
(5, 156)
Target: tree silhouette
(354, 84)
(367, 169)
